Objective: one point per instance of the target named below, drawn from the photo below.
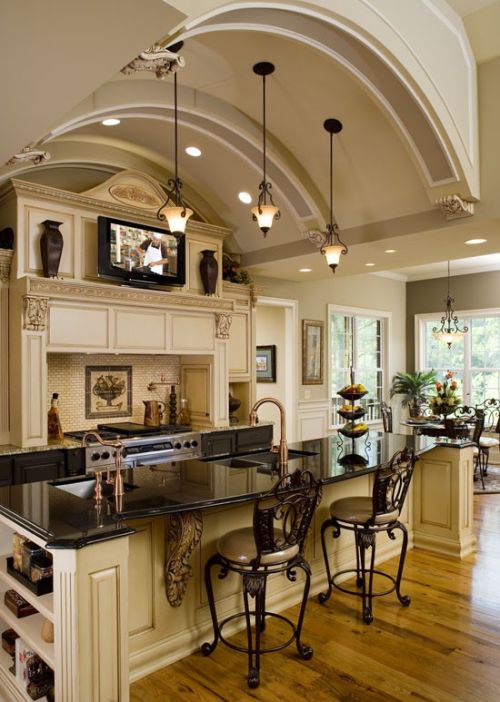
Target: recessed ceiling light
(390, 251)
(305, 270)
(245, 197)
(369, 264)
(472, 242)
(111, 122)
(193, 151)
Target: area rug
(491, 481)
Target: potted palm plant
(413, 388)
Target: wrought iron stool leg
(253, 586)
(359, 574)
(404, 599)
(305, 652)
(324, 596)
(208, 648)
(367, 540)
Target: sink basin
(238, 462)
(272, 457)
(85, 488)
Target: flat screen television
(139, 254)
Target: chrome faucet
(117, 481)
(282, 449)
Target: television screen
(137, 253)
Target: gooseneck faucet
(283, 447)
(117, 481)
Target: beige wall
(66, 375)
(363, 291)
(476, 291)
(270, 329)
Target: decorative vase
(234, 405)
(209, 269)
(51, 246)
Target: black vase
(209, 269)
(51, 246)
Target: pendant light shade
(174, 210)
(266, 211)
(333, 248)
(449, 331)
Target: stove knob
(194, 443)
(187, 444)
(105, 454)
(95, 456)
(124, 452)
(178, 445)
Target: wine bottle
(54, 429)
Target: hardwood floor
(445, 647)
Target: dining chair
(386, 412)
(274, 544)
(366, 517)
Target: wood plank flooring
(445, 647)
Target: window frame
(465, 317)
(385, 318)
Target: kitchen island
(128, 587)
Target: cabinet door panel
(196, 383)
(74, 328)
(37, 466)
(239, 352)
(192, 332)
(139, 329)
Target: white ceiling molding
(385, 54)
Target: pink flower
(439, 387)
(453, 385)
(449, 374)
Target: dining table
(436, 427)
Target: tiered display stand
(349, 430)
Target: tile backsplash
(66, 376)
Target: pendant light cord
(264, 131)
(331, 180)
(448, 279)
(175, 128)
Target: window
(357, 339)
(475, 358)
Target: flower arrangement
(447, 397)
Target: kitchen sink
(272, 457)
(85, 488)
(238, 462)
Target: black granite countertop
(65, 515)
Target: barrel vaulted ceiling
(407, 101)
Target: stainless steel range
(158, 445)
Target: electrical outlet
(307, 394)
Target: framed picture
(265, 364)
(108, 391)
(312, 352)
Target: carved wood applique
(183, 535)
(222, 325)
(35, 312)
(5, 264)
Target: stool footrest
(366, 572)
(244, 649)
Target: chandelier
(332, 247)
(174, 210)
(264, 214)
(449, 331)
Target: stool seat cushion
(485, 442)
(238, 546)
(475, 450)
(358, 510)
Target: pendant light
(264, 214)
(174, 210)
(333, 247)
(449, 331)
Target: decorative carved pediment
(130, 188)
(157, 59)
(29, 153)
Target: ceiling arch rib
(445, 155)
(209, 115)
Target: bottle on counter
(184, 416)
(54, 429)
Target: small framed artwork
(108, 391)
(265, 364)
(312, 352)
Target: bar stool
(386, 412)
(366, 517)
(273, 545)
